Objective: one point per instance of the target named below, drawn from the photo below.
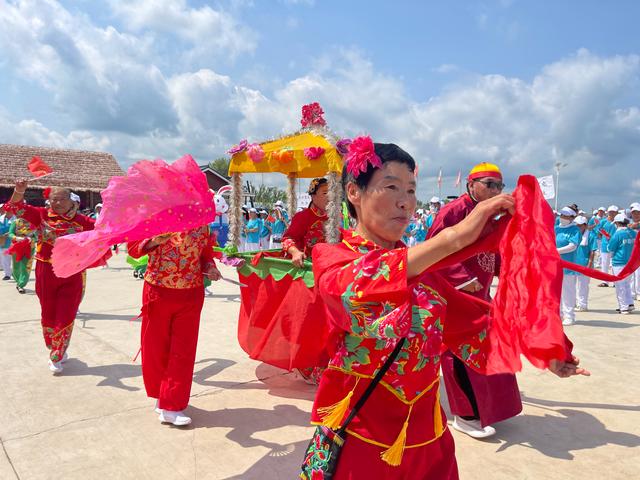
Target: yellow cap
(485, 169)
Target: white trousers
(568, 298)
(251, 247)
(605, 262)
(623, 290)
(5, 261)
(582, 283)
(635, 283)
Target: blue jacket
(564, 236)
(609, 228)
(5, 224)
(620, 245)
(584, 251)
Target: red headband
(473, 176)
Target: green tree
(221, 165)
(268, 195)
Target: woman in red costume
(307, 227)
(59, 297)
(307, 230)
(172, 301)
(378, 292)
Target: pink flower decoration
(342, 146)
(255, 152)
(313, 153)
(241, 147)
(312, 115)
(361, 154)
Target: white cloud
(98, 76)
(209, 31)
(116, 93)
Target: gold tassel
(333, 414)
(438, 426)
(393, 455)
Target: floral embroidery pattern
(375, 326)
(320, 456)
(57, 341)
(177, 263)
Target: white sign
(304, 199)
(547, 187)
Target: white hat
(420, 211)
(74, 197)
(253, 210)
(620, 218)
(612, 208)
(279, 203)
(635, 207)
(602, 209)
(434, 200)
(98, 205)
(581, 212)
(567, 211)
(595, 212)
(580, 220)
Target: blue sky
(522, 84)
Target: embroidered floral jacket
(372, 305)
(48, 225)
(181, 261)
(306, 230)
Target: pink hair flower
(313, 153)
(361, 154)
(241, 147)
(255, 152)
(312, 115)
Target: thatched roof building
(85, 173)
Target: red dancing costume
(491, 398)
(172, 301)
(401, 432)
(306, 230)
(59, 297)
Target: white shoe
(472, 428)
(581, 309)
(568, 321)
(157, 407)
(65, 357)
(207, 291)
(625, 312)
(56, 367)
(178, 419)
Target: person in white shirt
(635, 225)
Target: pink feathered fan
(153, 198)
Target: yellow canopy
(286, 155)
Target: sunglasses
(492, 185)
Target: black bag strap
(367, 393)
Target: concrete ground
(250, 420)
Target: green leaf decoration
(277, 268)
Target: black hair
(388, 152)
(315, 184)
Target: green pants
(22, 270)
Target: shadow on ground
(112, 374)
(277, 464)
(557, 435)
(279, 383)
